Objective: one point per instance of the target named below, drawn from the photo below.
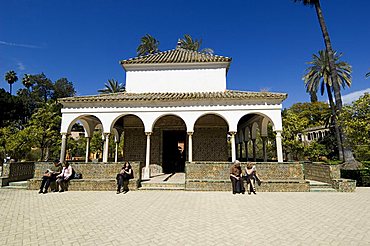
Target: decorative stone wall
(210, 144)
(16, 171)
(215, 176)
(96, 176)
(135, 144)
(321, 172)
(344, 185)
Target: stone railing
(16, 171)
(95, 176)
(321, 172)
(274, 176)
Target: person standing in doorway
(236, 178)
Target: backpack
(73, 174)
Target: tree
(112, 87)
(63, 88)
(193, 44)
(11, 78)
(319, 75)
(348, 156)
(149, 45)
(355, 120)
(42, 89)
(45, 127)
(367, 75)
(27, 81)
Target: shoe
(61, 191)
(54, 190)
(125, 191)
(118, 192)
(40, 192)
(45, 192)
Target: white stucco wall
(176, 80)
(231, 114)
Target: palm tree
(318, 75)
(193, 44)
(348, 155)
(27, 81)
(112, 87)
(367, 75)
(11, 77)
(149, 45)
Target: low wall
(95, 176)
(16, 171)
(321, 172)
(215, 176)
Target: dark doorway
(173, 151)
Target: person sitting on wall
(123, 177)
(251, 178)
(236, 178)
(64, 177)
(50, 176)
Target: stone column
(254, 149)
(106, 147)
(264, 140)
(147, 157)
(233, 150)
(279, 148)
(241, 151)
(116, 153)
(246, 149)
(63, 148)
(190, 147)
(87, 149)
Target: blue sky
(270, 41)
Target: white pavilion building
(177, 108)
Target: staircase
(316, 186)
(20, 185)
(167, 182)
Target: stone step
(162, 184)
(153, 188)
(322, 190)
(321, 186)
(18, 183)
(14, 187)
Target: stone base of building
(87, 184)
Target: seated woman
(123, 177)
(251, 178)
(64, 177)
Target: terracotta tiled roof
(178, 55)
(175, 97)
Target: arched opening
(84, 141)
(168, 144)
(256, 138)
(210, 139)
(129, 139)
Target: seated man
(50, 176)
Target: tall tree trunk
(313, 96)
(348, 155)
(10, 88)
(335, 122)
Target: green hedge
(362, 176)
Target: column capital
(232, 133)
(278, 133)
(148, 133)
(190, 133)
(64, 134)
